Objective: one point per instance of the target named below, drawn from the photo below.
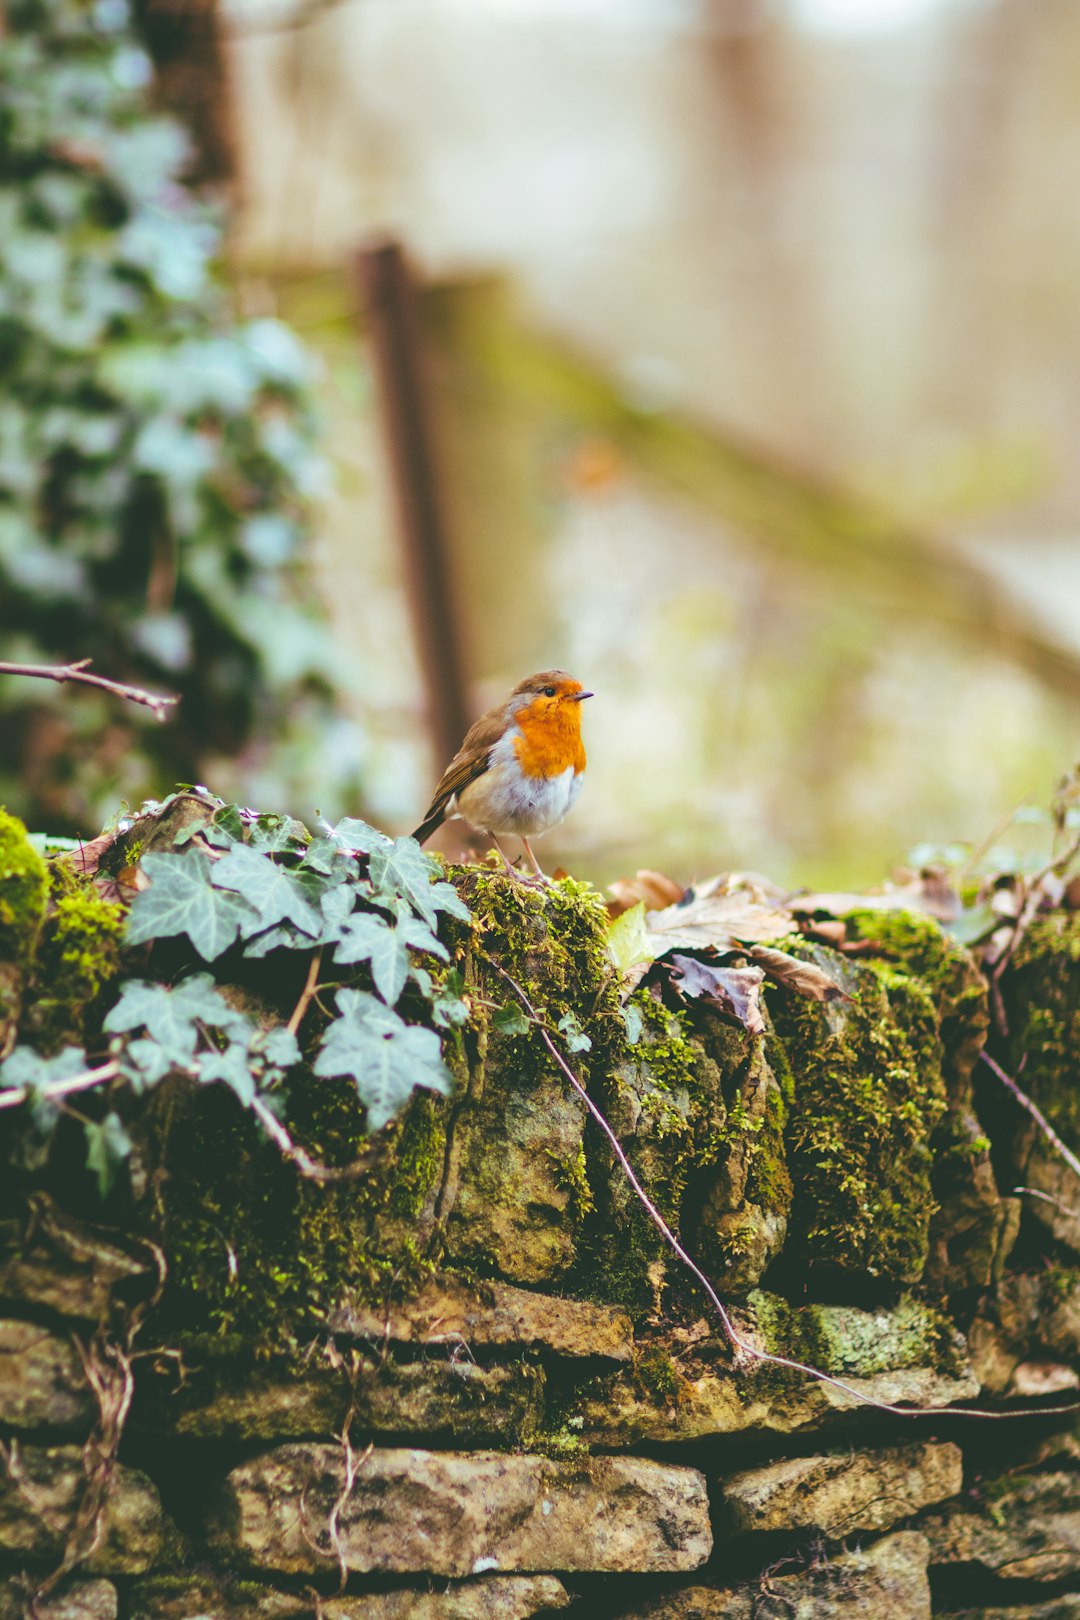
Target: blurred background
(363, 356)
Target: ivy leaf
(385, 1057)
(633, 1022)
(182, 900)
(402, 868)
(278, 1046)
(145, 1063)
(282, 937)
(27, 1068)
(367, 937)
(510, 1020)
(267, 886)
(358, 837)
(108, 1146)
(171, 1016)
(233, 1067)
(335, 905)
(576, 1038)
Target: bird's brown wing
(471, 760)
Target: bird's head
(548, 696)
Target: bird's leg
(511, 871)
(541, 875)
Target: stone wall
(474, 1385)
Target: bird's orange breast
(550, 740)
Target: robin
(521, 766)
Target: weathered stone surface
(1042, 1003)
(445, 1398)
(1025, 1528)
(747, 1191)
(973, 1228)
(75, 1600)
(488, 1597)
(514, 1208)
(862, 1490)
(448, 1310)
(909, 1355)
(40, 1490)
(463, 1513)
(1065, 1607)
(1032, 1316)
(884, 1582)
(42, 1385)
(73, 1275)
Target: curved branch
(158, 703)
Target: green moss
(868, 1096)
(657, 1377)
(1042, 1001)
(24, 889)
(921, 949)
(79, 955)
(850, 1343)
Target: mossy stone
(24, 891)
(868, 1093)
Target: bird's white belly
(504, 800)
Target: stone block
(839, 1495)
(462, 1513)
(887, 1579)
(42, 1384)
(1025, 1528)
(41, 1488)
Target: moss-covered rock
(868, 1094)
(78, 956)
(972, 1228)
(23, 895)
(1041, 993)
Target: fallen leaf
(87, 857)
(735, 990)
(652, 889)
(718, 915)
(803, 978)
(628, 942)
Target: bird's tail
(432, 820)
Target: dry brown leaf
(717, 916)
(651, 888)
(735, 990)
(829, 930)
(802, 978)
(87, 858)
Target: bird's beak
(579, 697)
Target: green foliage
(23, 889)
(156, 460)
(252, 885)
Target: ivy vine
(363, 910)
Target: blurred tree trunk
(184, 39)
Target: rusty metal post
(385, 286)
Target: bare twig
(158, 703)
(1047, 1198)
(12, 1096)
(734, 1337)
(1036, 1113)
(311, 986)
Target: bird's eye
(549, 691)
